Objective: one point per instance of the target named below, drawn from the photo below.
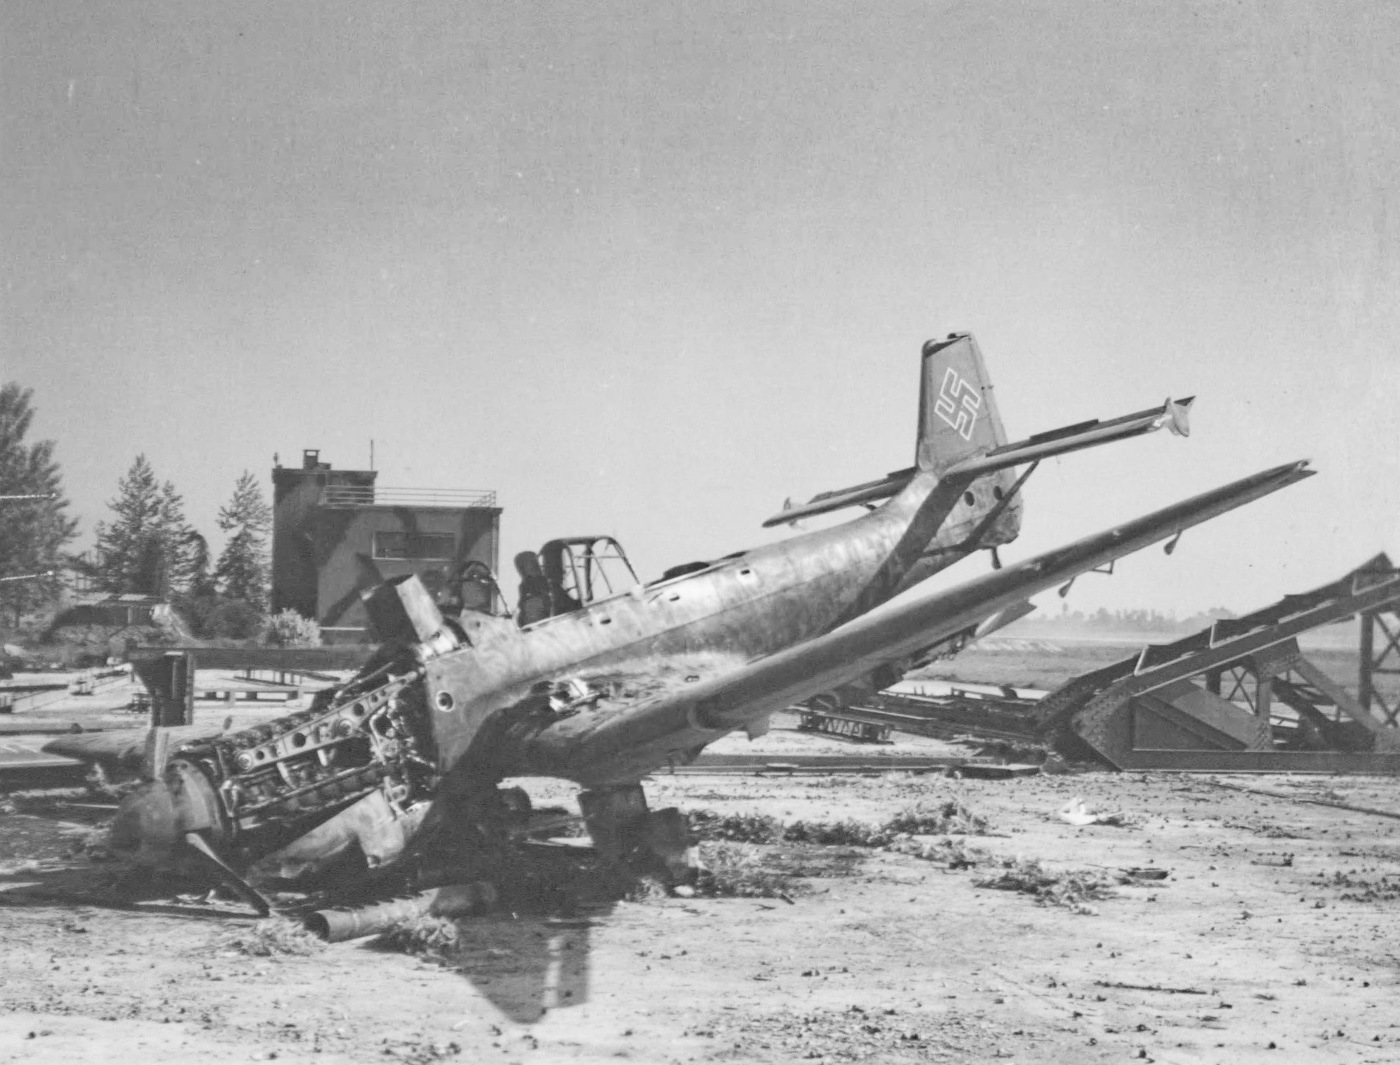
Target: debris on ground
(949, 851)
(1073, 889)
(422, 936)
(1075, 812)
(949, 817)
(744, 870)
(268, 938)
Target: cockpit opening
(569, 574)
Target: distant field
(1048, 664)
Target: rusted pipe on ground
(451, 900)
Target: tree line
(145, 546)
(1133, 620)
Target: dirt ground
(1272, 938)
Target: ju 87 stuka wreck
(405, 760)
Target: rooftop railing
(357, 495)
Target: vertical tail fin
(957, 412)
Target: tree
(123, 543)
(148, 548)
(243, 568)
(32, 531)
(201, 580)
(181, 545)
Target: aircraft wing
(123, 748)
(1173, 414)
(645, 736)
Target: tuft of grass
(954, 853)
(1073, 889)
(423, 936)
(947, 818)
(740, 870)
(271, 937)
(737, 828)
(845, 833)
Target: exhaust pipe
(451, 900)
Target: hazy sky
(648, 269)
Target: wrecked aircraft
(406, 760)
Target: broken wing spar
(1173, 413)
(630, 744)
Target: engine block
(370, 734)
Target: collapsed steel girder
(1145, 712)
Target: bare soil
(1272, 938)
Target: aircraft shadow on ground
(75, 881)
(526, 965)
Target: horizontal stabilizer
(870, 492)
(1172, 414)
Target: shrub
(211, 617)
(287, 628)
(234, 619)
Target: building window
(441, 547)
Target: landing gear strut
(625, 831)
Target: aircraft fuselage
(658, 638)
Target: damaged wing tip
(1178, 415)
(1291, 473)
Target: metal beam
(1339, 696)
(1257, 640)
(1098, 706)
(1373, 663)
(1380, 763)
(325, 659)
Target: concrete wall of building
(356, 546)
(325, 557)
(296, 557)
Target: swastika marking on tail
(959, 403)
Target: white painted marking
(959, 403)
